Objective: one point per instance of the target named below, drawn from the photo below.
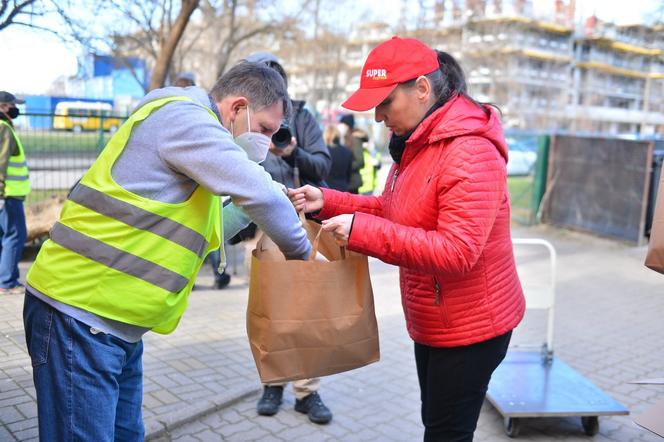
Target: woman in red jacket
(443, 218)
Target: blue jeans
(89, 384)
(12, 238)
(215, 260)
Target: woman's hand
(306, 199)
(339, 226)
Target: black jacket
(342, 167)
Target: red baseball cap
(395, 61)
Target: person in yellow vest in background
(14, 186)
(132, 235)
(372, 163)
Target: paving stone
(229, 430)
(301, 431)
(30, 433)
(165, 397)
(5, 435)
(9, 415)
(28, 409)
(22, 425)
(15, 400)
(207, 436)
(186, 438)
(254, 434)
(150, 401)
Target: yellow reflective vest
(369, 172)
(17, 181)
(122, 256)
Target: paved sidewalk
(608, 327)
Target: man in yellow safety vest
(14, 186)
(132, 235)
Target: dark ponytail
(449, 80)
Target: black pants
(453, 383)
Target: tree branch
(13, 12)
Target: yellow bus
(80, 115)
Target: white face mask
(255, 144)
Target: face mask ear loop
(232, 130)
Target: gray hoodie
(178, 148)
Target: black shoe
(314, 407)
(268, 405)
(222, 280)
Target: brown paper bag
(655, 256)
(307, 319)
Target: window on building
(620, 103)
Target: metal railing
(58, 158)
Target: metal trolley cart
(529, 384)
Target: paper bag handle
(316, 243)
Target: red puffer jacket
(444, 219)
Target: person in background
(346, 127)
(444, 219)
(185, 79)
(14, 187)
(342, 160)
(372, 164)
(132, 236)
(304, 160)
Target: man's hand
(306, 199)
(285, 152)
(2, 203)
(340, 227)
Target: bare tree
(232, 28)
(225, 30)
(169, 37)
(13, 12)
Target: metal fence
(527, 169)
(58, 158)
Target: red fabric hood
(457, 117)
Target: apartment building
(618, 79)
(544, 72)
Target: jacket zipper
(394, 179)
(443, 313)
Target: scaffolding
(543, 71)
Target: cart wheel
(512, 426)
(590, 425)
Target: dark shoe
(314, 407)
(268, 405)
(221, 281)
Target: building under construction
(542, 70)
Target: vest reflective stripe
(139, 218)
(117, 259)
(123, 256)
(17, 181)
